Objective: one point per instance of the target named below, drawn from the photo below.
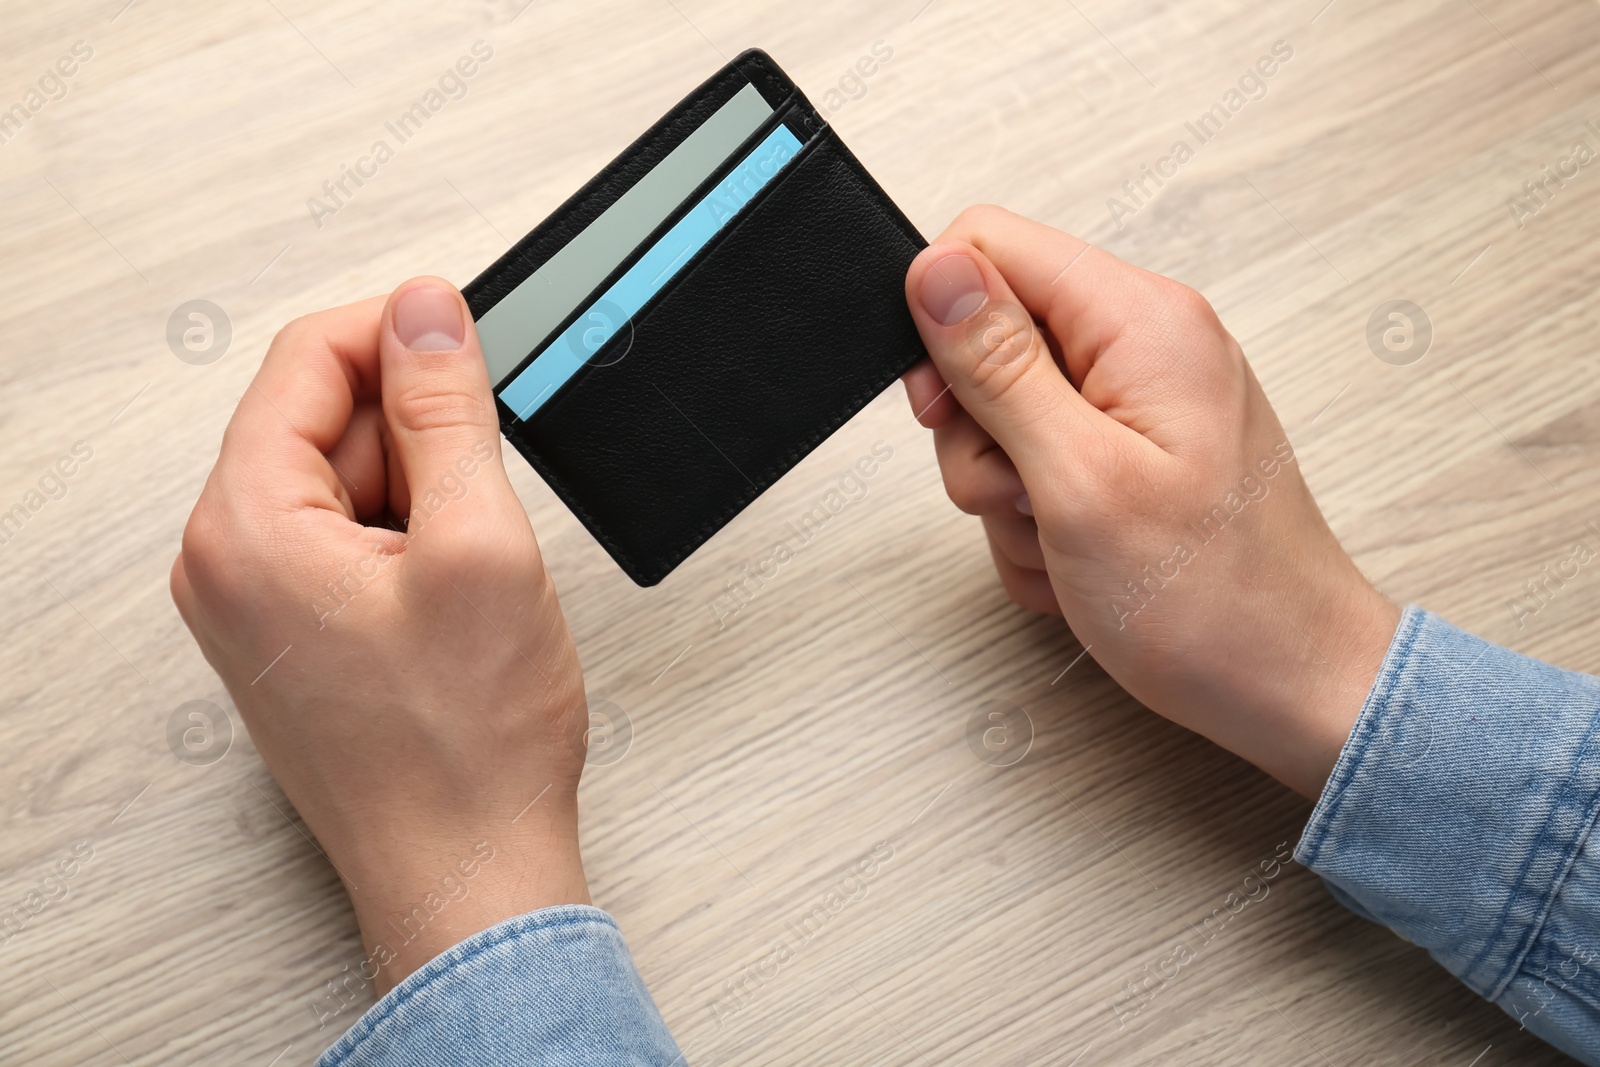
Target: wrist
(440, 895)
(1333, 629)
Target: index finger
(299, 405)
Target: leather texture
(784, 326)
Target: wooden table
(1012, 906)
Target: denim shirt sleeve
(1459, 816)
(555, 986)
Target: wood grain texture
(830, 714)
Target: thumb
(439, 409)
(998, 365)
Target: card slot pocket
(600, 192)
(765, 343)
(613, 348)
(792, 112)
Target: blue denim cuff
(553, 986)
(1461, 798)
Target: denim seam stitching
(1568, 799)
(1582, 986)
(370, 1025)
(1383, 692)
(1536, 927)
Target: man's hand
(1132, 476)
(361, 575)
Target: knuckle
(1003, 356)
(1028, 596)
(294, 333)
(201, 541)
(429, 406)
(1017, 340)
(213, 554)
(1188, 303)
(1002, 333)
(976, 217)
(962, 488)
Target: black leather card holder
(784, 325)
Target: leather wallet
(688, 378)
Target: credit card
(554, 364)
(526, 318)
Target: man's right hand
(1132, 476)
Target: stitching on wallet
(765, 479)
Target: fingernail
(953, 289)
(428, 319)
(1024, 505)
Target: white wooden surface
(830, 714)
